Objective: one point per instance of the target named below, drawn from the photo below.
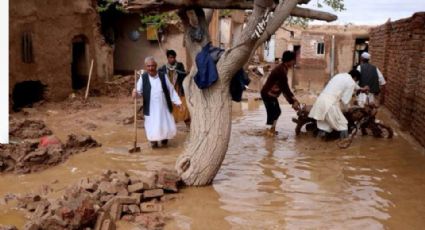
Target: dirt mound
(7, 227)
(34, 155)
(26, 129)
(80, 143)
(76, 102)
(119, 86)
(98, 202)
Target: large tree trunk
(210, 111)
(210, 108)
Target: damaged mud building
(54, 42)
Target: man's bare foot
(271, 133)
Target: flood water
(285, 182)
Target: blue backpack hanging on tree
(207, 71)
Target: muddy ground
(265, 183)
(33, 147)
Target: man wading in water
(277, 84)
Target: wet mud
(282, 182)
(34, 148)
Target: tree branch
(233, 59)
(138, 6)
(149, 5)
(313, 14)
(281, 13)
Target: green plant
(105, 5)
(225, 12)
(157, 20)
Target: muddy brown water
(286, 182)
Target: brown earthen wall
(397, 49)
(129, 55)
(53, 25)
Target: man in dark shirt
(277, 84)
(176, 73)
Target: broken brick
(152, 193)
(138, 187)
(150, 207)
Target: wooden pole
(88, 82)
(135, 110)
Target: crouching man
(327, 111)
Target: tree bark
(210, 111)
(210, 108)
(137, 6)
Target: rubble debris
(27, 157)
(118, 86)
(83, 204)
(77, 102)
(80, 143)
(32, 155)
(26, 129)
(7, 227)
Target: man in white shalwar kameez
(327, 111)
(157, 108)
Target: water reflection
(301, 182)
(286, 182)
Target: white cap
(365, 55)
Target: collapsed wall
(397, 49)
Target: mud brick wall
(52, 26)
(398, 50)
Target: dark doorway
(79, 65)
(297, 51)
(362, 45)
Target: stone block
(120, 200)
(152, 193)
(150, 207)
(137, 196)
(108, 224)
(138, 187)
(134, 209)
(108, 188)
(122, 192)
(115, 211)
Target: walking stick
(135, 148)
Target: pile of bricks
(97, 203)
